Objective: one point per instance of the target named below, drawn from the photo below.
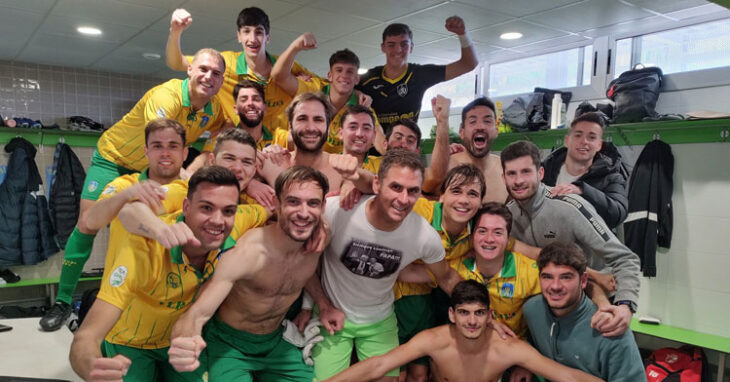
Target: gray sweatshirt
(542, 220)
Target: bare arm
(174, 57)
(103, 211)
(525, 249)
(332, 318)
(446, 276)
(526, 356)
(415, 273)
(85, 355)
(197, 163)
(468, 60)
(281, 72)
(436, 171)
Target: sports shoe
(56, 317)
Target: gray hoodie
(542, 220)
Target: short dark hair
(253, 17)
(469, 291)
(300, 174)
(521, 149)
(464, 174)
(345, 56)
(234, 134)
(397, 29)
(220, 176)
(590, 116)
(481, 101)
(497, 209)
(567, 254)
(164, 123)
(410, 124)
(356, 109)
(329, 110)
(402, 158)
(248, 84)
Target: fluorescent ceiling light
(151, 56)
(362, 71)
(89, 31)
(510, 36)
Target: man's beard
(250, 122)
(301, 146)
(478, 153)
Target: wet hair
(469, 291)
(344, 56)
(567, 254)
(590, 116)
(300, 174)
(329, 110)
(401, 158)
(464, 174)
(217, 175)
(497, 209)
(248, 84)
(410, 124)
(253, 17)
(161, 124)
(397, 29)
(212, 52)
(481, 101)
(357, 109)
(521, 149)
(237, 135)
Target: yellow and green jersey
(509, 289)
(276, 98)
(153, 286)
(175, 193)
(372, 163)
(456, 249)
(124, 143)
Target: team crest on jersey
(508, 290)
(161, 113)
(93, 185)
(109, 190)
(204, 121)
(118, 276)
(402, 90)
(173, 280)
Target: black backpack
(635, 93)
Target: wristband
(464, 41)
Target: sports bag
(686, 364)
(635, 93)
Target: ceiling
(44, 31)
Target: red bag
(686, 364)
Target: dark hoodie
(26, 236)
(604, 185)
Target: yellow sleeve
(248, 216)
(281, 138)
(120, 183)
(129, 274)
(424, 207)
(313, 85)
(174, 195)
(299, 69)
(163, 103)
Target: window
(461, 90)
(696, 47)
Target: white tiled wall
(53, 93)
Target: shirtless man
(466, 350)
(478, 132)
(254, 286)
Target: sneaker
(55, 317)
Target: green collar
(208, 109)
(437, 223)
(265, 134)
(509, 268)
(176, 252)
(242, 66)
(144, 175)
(350, 102)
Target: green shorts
(332, 355)
(415, 314)
(235, 355)
(101, 172)
(152, 364)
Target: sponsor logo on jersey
(118, 276)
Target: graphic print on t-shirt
(371, 260)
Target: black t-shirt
(400, 98)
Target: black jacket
(26, 235)
(65, 195)
(604, 185)
(650, 204)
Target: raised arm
(468, 60)
(138, 219)
(147, 192)
(530, 359)
(174, 57)
(282, 70)
(436, 171)
(85, 355)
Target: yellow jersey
(372, 164)
(456, 249)
(518, 280)
(153, 286)
(124, 143)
